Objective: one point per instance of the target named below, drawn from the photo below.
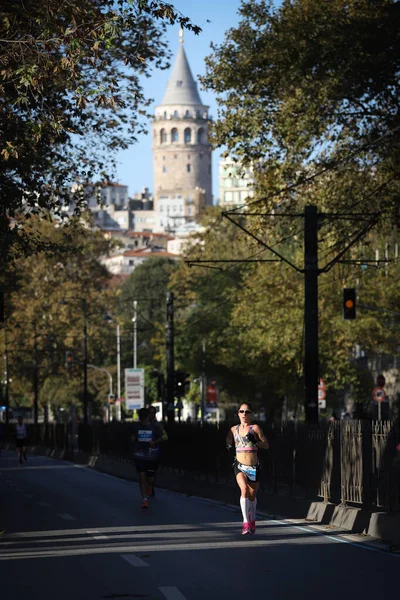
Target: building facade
(236, 184)
(181, 149)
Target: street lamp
(111, 320)
(134, 321)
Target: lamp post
(134, 321)
(111, 320)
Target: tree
(71, 96)
(312, 85)
(148, 285)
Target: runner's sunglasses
(246, 412)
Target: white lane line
(134, 560)
(41, 503)
(172, 593)
(97, 535)
(66, 517)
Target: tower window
(200, 136)
(188, 135)
(163, 136)
(187, 113)
(164, 169)
(188, 156)
(176, 114)
(188, 168)
(174, 135)
(179, 83)
(175, 156)
(165, 114)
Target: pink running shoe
(252, 527)
(245, 528)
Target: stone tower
(181, 150)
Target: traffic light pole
(311, 367)
(170, 357)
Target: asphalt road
(74, 533)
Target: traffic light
(69, 359)
(181, 383)
(349, 303)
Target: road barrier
(348, 463)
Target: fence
(349, 462)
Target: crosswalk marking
(134, 560)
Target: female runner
(248, 438)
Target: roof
(146, 253)
(181, 86)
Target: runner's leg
(24, 449)
(253, 488)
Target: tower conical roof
(181, 87)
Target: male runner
(146, 437)
(21, 434)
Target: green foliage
(148, 285)
(70, 83)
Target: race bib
(251, 472)
(145, 435)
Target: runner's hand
(252, 437)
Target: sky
(135, 165)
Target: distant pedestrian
(146, 437)
(21, 435)
(248, 439)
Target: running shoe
(145, 503)
(245, 528)
(252, 527)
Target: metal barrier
(347, 462)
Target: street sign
(321, 385)
(321, 403)
(321, 394)
(378, 394)
(134, 389)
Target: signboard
(212, 394)
(321, 385)
(321, 394)
(322, 404)
(134, 389)
(378, 394)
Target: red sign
(321, 394)
(378, 394)
(212, 393)
(321, 385)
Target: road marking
(172, 593)
(99, 536)
(66, 517)
(134, 560)
(41, 503)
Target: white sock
(253, 509)
(244, 505)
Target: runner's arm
(263, 442)
(229, 438)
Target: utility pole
(203, 382)
(35, 380)
(118, 406)
(170, 357)
(7, 378)
(311, 367)
(85, 365)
